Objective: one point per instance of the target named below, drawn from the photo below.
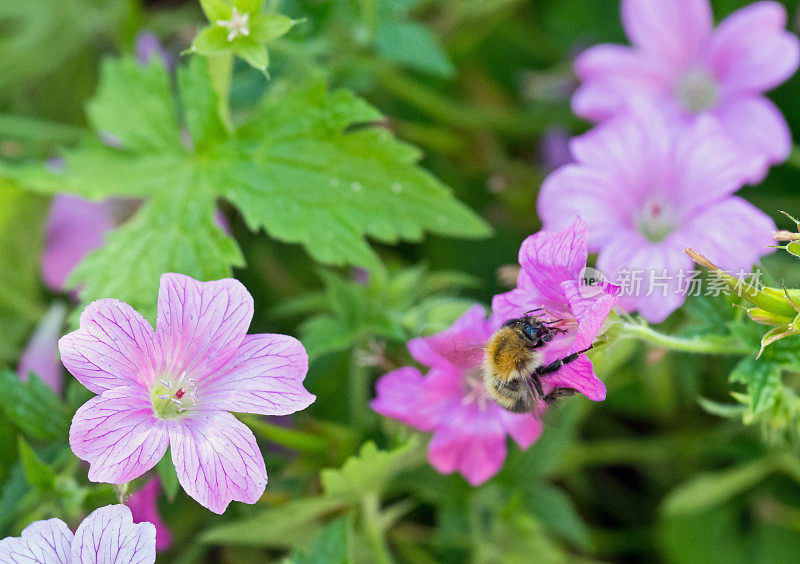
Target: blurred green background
(482, 87)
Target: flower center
(656, 221)
(697, 90)
(171, 396)
(475, 389)
(239, 24)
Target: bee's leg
(537, 384)
(556, 364)
(558, 393)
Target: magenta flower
(551, 276)
(74, 228)
(682, 65)
(175, 386)
(41, 353)
(469, 428)
(107, 536)
(647, 191)
(143, 504)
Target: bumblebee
(514, 364)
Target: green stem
(697, 345)
(290, 438)
(359, 392)
(372, 525)
(220, 68)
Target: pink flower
(469, 428)
(689, 69)
(646, 191)
(551, 276)
(41, 353)
(176, 385)
(74, 228)
(107, 536)
(143, 504)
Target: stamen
(176, 401)
(165, 383)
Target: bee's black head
(533, 329)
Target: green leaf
(323, 335)
(555, 510)
(355, 181)
(21, 217)
(253, 52)
(332, 546)
(33, 407)
(370, 471)
(173, 232)
(39, 475)
(714, 488)
(146, 122)
(216, 9)
(290, 525)
(763, 380)
(408, 43)
(169, 478)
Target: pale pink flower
(107, 536)
(74, 228)
(175, 385)
(552, 277)
(143, 504)
(690, 70)
(647, 191)
(40, 356)
(469, 428)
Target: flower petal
(114, 346)
(217, 460)
(41, 353)
(74, 228)
(751, 52)
(649, 273)
(459, 346)
(756, 123)
(143, 504)
(265, 375)
(472, 442)
(579, 375)
(109, 536)
(591, 306)
(741, 244)
(710, 165)
(611, 74)
(118, 435)
(524, 428)
(401, 394)
(674, 30)
(201, 324)
(580, 191)
(41, 542)
(551, 258)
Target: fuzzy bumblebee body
(508, 361)
(514, 363)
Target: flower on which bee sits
(107, 536)
(469, 428)
(646, 191)
(689, 69)
(551, 277)
(143, 504)
(175, 386)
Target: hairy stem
(698, 345)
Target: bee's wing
(537, 405)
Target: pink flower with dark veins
(687, 68)
(143, 504)
(469, 428)
(175, 386)
(551, 277)
(646, 192)
(107, 536)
